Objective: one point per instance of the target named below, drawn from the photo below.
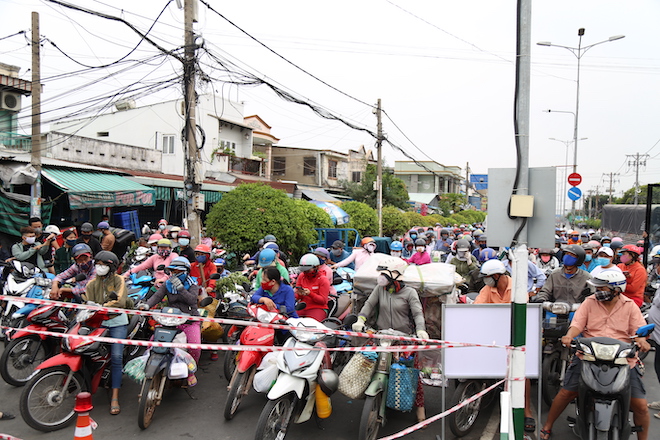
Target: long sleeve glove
(422, 334)
(176, 283)
(358, 326)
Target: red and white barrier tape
(8, 437)
(244, 323)
(443, 414)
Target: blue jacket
(344, 255)
(283, 297)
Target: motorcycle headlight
(587, 353)
(622, 357)
(170, 321)
(604, 352)
(560, 308)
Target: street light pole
(578, 52)
(567, 143)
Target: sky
(444, 71)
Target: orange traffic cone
(83, 424)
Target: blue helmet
(266, 257)
(219, 262)
(180, 263)
(396, 246)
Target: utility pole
(35, 158)
(192, 180)
(611, 190)
(467, 183)
(637, 160)
(379, 177)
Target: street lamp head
(580, 32)
(546, 111)
(544, 43)
(616, 37)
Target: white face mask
(175, 234)
(382, 280)
(395, 253)
(461, 255)
(102, 270)
(370, 247)
(184, 241)
(420, 249)
(489, 281)
(30, 240)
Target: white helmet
(492, 267)
(52, 229)
(393, 265)
(612, 278)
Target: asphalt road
(179, 416)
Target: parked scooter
(462, 421)
(603, 403)
(304, 384)
(140, 285)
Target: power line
(12, 35)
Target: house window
(332, 169)
(279, 166)
(228, 147)
(356, 176)
(168, 144)
(309, 166)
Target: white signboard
(487, 324)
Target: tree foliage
(394, 190)
(450, 203)
(250, 211)
(362, 217)
(395, 222)
(628, 197)
(316, 216)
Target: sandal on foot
(114, 407)
(546, 434)
(530, 424)
(6, 416)
(656, 415)
(192, 380)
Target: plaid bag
(356, 375)
(402, 387)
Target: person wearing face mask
(86, 237)
(29, 250)
(444, 243)
(109, 290)
(162, 228)
(547, 262)
(183, 249)
(164, 256)
(464, 260)
(420, 256)
(63, 256)
(84, 264)
(408, 249)
(413, 234)
(273, 292)
(267, 258)
(324, 256)
(153, 243)
(398, 307)
(574, 238)
(608, 314)
(605, 241)
(107, 237)
(634, 272)
(589, 263)
(359, 256)
(604, 262)
(203, 268)
(569, 284)
(312, 288)
(480, 245)
(616, 248)
(174, 235)
(396, 249)
(183, 293)
(337, 253)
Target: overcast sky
(444, 71)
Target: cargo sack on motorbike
(430, 365)
(135, 368)
(402, 387)
(356, 375)
(182, 364)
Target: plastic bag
(430, 364)
(265, 378)
(135, 367)
(402, 387)
(182, 356)
(356, 376)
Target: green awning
(88, 189)
(15, 212)
(212, 196)
(163, 193)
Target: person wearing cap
(63, 256)
(634, 272)
(268, 257)
(163, 257)
(338, 253)
(203, 268)
(107, 238)
(84, 264)
(183, 245)
(87, 238)
(604, 261)
(220, 264)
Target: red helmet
(184, 234)
(632, 248)
(203, 248)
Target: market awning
(318, 194)
(87, 189)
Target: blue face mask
(606, 244)
(201, 259)
(71, 243)
(569, 260)
(588, 257)
(184, 241)
(600, 261)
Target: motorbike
(340, 303)
(247, 362)
(603, 402)
(556, 357)
(48, 398)
(161, 371)
(140, 285)
(304, 384)
(462, 421)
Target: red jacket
(635, 281)
(209, 268)
(319, 288)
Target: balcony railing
(15, 141)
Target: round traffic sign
(574, 193)
(574, 179)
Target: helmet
(578, 251)
(322, 252)
(153, 239)
(492, 267)
(270, 238)
(141, 253)
(366, 240)
(587, 246)
(616, 245)
(612, 278)
(545, 251)
(180, 263)
(266, 257)
(203, 248)
(595, 244)
(430, 234)
(103, 225)
(108, 258)
(272, 245)
(162, 221)
(596, 237)
(86, 227)
(219, 262)
(81, 248)
(482, 237)
(407, 242)
(338, 244)
(393, 265)
(462, 245)
(617, 239)
(175, 229)
(396, 246)
(309, 261)
(477, 232)
(420, 242)
(164, 242)
(412, 232)
(184, 233)
(487, 254)
(444, 232)
(52, 229)
(632, 248)
(328, 381)
(605, 238)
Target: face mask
(71, 243)
(601, 261)
(625, 258)
(545, 258)
(102, 270)
(574, 239)
(370, 247)
(490, 281)
(336, 252)
(420, 249)
(184, 241)
(604, 295)
(86, 236)
(267, 285)
(382, 280)
(461, 255)
(413, 236)
(201, 259)
(395, 253)
(164, 252)
(161, 227)
(569, 260)
(86, 266)
(175, 234)
(37, 231)
(154, 249)
(30, 240)
(588, 257)
(606, 244)
(482, 245)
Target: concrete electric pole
(379, 171)
(35, 191)
(611, 185)
(637, 160)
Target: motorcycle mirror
(161, 267)
(350, 319)
(206, 301)
(645, 330)
(283, 309)
(80, 277)
(113, 295)
(215, 276)
(301, 306)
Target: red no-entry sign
(574, 179)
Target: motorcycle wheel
(45, 405)
(275, 414)
(231, 358)
(462, 421)
(20, 358)
(551, 372)
(237, 390)
(148, 399)
(369, 421)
